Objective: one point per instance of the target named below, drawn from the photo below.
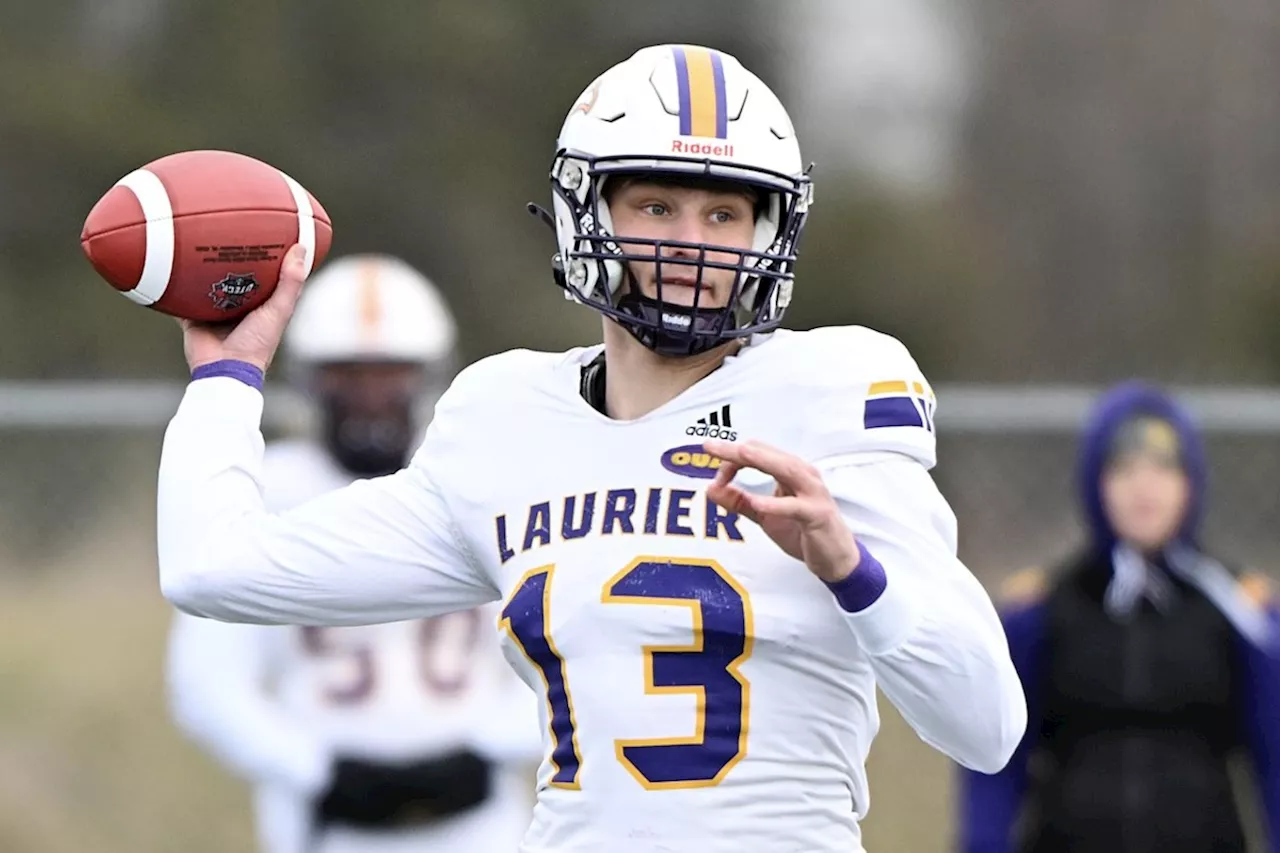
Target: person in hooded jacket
(1148, 665)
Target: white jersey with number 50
(276, 703)
(701, 690)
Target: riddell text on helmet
(679, 146)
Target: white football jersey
(276, 703)
(701, 690)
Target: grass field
(88, 759)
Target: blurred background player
(411, 736)
(1147, 665)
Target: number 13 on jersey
(706, 668)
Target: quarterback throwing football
(706, 619)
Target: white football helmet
(372, 345)
(679, 110)
(370, 308)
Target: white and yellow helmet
(679, 110)
(363, 308)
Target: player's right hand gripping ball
(201, 235)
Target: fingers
(728, 496)
(793, 474)
(773, 506)
(731, 499)
(800, 494)
(726, 472)
(279, 306)
(254, 337)
(737, 500)
(293, 272)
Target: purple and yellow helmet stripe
(700, 76)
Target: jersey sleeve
(378, 550)
(217, 675)
(931, 632)
(868, 397)
(928, 626)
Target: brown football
(201, 234)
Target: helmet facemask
(594, 268)
(370, 412)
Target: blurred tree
(1119, 158)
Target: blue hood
(1115, 407)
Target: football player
(407, 736)
(707, 619)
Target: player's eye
(655, 208)
(723, 216)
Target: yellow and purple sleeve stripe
(703, 107)
(898, 404)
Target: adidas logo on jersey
(715, 425)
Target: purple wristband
(863, 587)
(249, 374)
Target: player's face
(369, 423)
(1145, 499)
(370, 389)
(657, 211)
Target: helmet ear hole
(584, 235)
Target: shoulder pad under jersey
(869, 396)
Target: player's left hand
(800, 516)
